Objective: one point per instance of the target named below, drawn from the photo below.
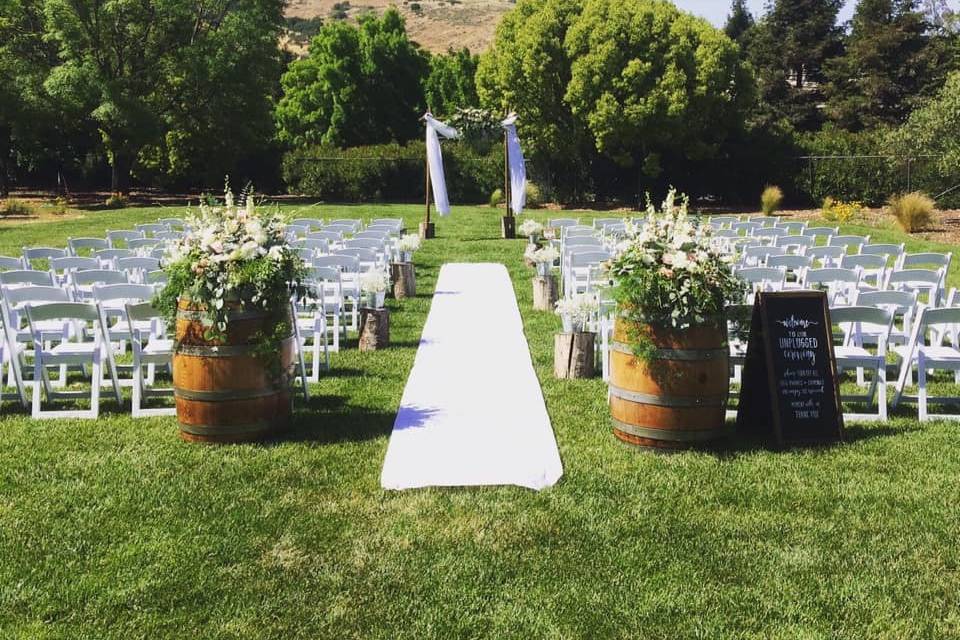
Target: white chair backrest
(768, 278)
(141, 243)
(827, 256)
(297, 231)
(17, 297)
(864, 261)
(790, 262)
(583, 241)
(876, 322)
(383, 236)
(78, 245)
(173, 223)
(766, 221)
(10, 262)
(795, 242)
(352, 223)
(746, 227)
(364, 243)
(26, 277)
(888, 251)
(329, 236)
(310, 223)
(123, 236)
(109, 255)
(98, 276)
(914, 260)
(900, 302)
(73, 263)
(151, 228)
(559, 223)
(600, 223)
(343, 263)
(792, 228)
(821, 232)
(588, 258)
(129, 292)
(42, 253)
(138, 263)
(849, 242)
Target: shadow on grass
(735, 445)
(347, 425)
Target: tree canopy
(632, 81)
(358, 85)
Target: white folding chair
(395, 223)
(854, 322)
(747, 228)
(27, 277)
(903, 306)
(135, 267)
(309, 223)
(83, 246)
(826, 257)
(62, 268)
(821, 232)
(349, 268)
(795, 244)
(923, 281)
(852, 244)
(762, 279)
(83, 282)
(151, 229)
(150, 349)
(841, 285)
(87, 347)
(927, 357)
(107, 257)
(766, 221)
(795, 267)
(311, 332)
(939, 261)
(352, 223)
(116, 238)
(873, 270)
(41, 253)
(792, 227)
(581, 269)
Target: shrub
(116, 201)
(771, 199)
(840, 211)
(389, 172)
(496, 198)
(914, 211)
(534, 196)
(15, 207)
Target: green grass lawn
(115, 529)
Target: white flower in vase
(373, 286)
(576, 311)
(407, 245)
(544, 259)
(532, 229)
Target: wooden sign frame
(760, 405)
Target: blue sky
(716, 10)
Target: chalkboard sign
(790, 381)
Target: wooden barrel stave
(223, 392)
(680, 400)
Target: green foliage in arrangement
(771, 199)
(670, 276)
(390, 172)
(913, 211)
(337, 95)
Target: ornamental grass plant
(771, 199)
(913, 211)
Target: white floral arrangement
(409, 243)
(545, 255)
(669, 273)
(374, 281)
(232, 254)
(531, 228)
(577, 310)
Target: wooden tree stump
(404, 280)
(374, 329)
(427, 230)
(573, 355)
(544, 293)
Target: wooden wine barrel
(680, 400)
(224, 392)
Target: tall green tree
(633, 83)
(451, 83)
(789, 48)
(889, 65)
(739, 21)
(358, 85)
(156, 74)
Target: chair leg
(922, 383)
(95, 387)
(37, 375)
(881, 374)
(136, 391)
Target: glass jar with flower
(576, 311)
(533, 230)
(407, 245)
(373, 288)
(543, 258)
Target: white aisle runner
(472, 412)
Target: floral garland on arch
(233, 255)
(666, 272)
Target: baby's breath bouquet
(667, 274)
(235, 257)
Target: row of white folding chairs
(79, 274)
(25, 330)
(842, 285)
